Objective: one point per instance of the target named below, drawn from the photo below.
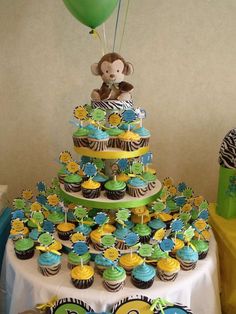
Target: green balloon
(91, 13)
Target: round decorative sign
(72, 167)
(167, 245)
(158, 207)
(180, 200)
(133, 305)
(27, 195)
(75, 237)
(80, 212)
(123, 214)
(175, 309)
(53, 199)
(146, 158)
(84, 160)
(41, 186)
(101, 218)
(159, 234)
(99, 163)
(123, 164)
(65, 157)
(80, 247)
(48, 226)
(45, 239)
(35, 207)
(204, 214)
(41, 199)
(18, 203)
(145, 250)
(38, 217)
(98, 114)
(188, 192)
(112, 254)
(177, 225)
(90, 169)
(129, 115)
(108, 240)
(131, 239)
(80, 113)
(200, 224)
(17, 225)
(137, 167)
(18, 214)
(114, 119)
(70, 305)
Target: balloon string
(97, 36)
(104, 36)
(123, 31)
(116, 27)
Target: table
(225, 233)
(25, 286)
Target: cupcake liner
(113, 286)
(115, 195)
(72, 187)
(151, 185)
(187, 265)
(129, 145)
(202, 255)
(80, 141)
(166, 276)
(82, 284)
(91, 193)
(64, 235)
(61, 178)
(144, 239)
(25, 254)
(49, 270)
(142, 284)
(114, 142)
(136, 192)
(98, 145)
(121, 245)
(97, 246)
(144, 141)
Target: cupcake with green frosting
(114, 140)
(56, 217)
(150, 179)
(143, 276)
(114, 278)
(62, 173)
(80, 137)
(115, 190)
(202, 247)
(24, 248)
(143, 231)
(74, 259)
(72, 182)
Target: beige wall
(183, 52)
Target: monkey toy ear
(95, 69)
(129, 69)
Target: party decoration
(133, 305)
(45, 239)
(181, 187)
(80, 247)
(137, 168)
(91, 13)
(53, 200)
(188, 192)
(114, 119)
(48, 226)
(41, 186)
(122, 215)
(101, 219)
(180, 200)
(188, 234)
(78, 236)
(65, 157)
(140, 113)
(27, 195)
(90, 169)
(146, 158)
(99, 163)
(18, 203)
(158, 207)
(108, 240)
(131, 239)
(19, 213)
(167, 245)
(177, 225)
(80, 212)
(123, 164)
(41, 199)
(36, 206)
(17, 224)
(200, 225)
(159, 234)
(84, 160)
(72, 167)
(145, 250)
(129, 115)
(168, 182)
(37, 217)
(98, 114)
(111, 253)
(185, 217)
(70, 305)
(80, 113)
(204, 214)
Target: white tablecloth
(25, 286)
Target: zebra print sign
(227, 154)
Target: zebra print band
(59, 305)
(113, 104)
(227, 154)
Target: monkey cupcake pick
(112, 68)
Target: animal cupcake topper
(81, 114)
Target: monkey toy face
(112, 68)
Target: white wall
(183, 52)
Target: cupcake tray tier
(111, 153)
(104, 203)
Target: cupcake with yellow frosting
(179, 244)
(140, 215)
(130, 261)
(91, 189)
(64, 230)
(95, 237)
(123, 177)
(167, 269)
(82, 277)
(129, 141)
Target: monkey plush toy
(112, 68)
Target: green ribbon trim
(95, 203)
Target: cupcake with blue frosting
(187, 257)
(156, 224)
(98, 140)
(80, 137)
(143, 276)
(49, 263)
(136, 187)
(102, 263)
(144, 136)
(101, 178)
(120, 235)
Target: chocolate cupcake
(129, 141)
(150, 179)
(115, 190)
(136, 187)
(187, 257)
(114, 140)
(91, 189)
(98, 140)
(143, 231)
(62, 173)
(167, 269)
(144, 136)
(101, 178)
(80, 137)
(64, 230)
(202, 247)
(24, 248)
(49, 264)
(72, 183)
(114, 278)
(143, 276)
(82, 277)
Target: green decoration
(188, 234)
(123, 214)
(145, 250)
(137, 167)
(98, 114)
(45, 239)
(188, 192)
(108, 240)
(159, 207)
(185, 217)
(80, 212)
(91, 13)
(204, 205)
(19, 203)
(99, 163)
